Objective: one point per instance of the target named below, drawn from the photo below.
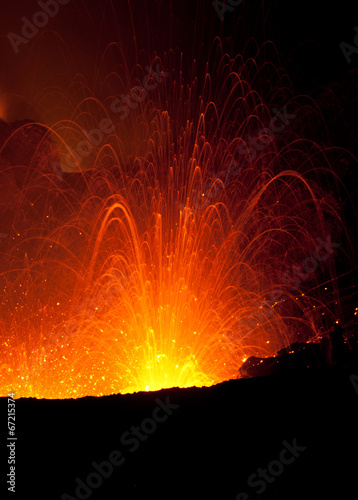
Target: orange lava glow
(123, 284)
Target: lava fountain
(150, 265)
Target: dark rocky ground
(335, 348)
(208, 444)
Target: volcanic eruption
(174, 223)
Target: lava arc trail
(185, 242)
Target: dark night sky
(307, 35)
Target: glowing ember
(128, 281)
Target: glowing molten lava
(123, 281)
